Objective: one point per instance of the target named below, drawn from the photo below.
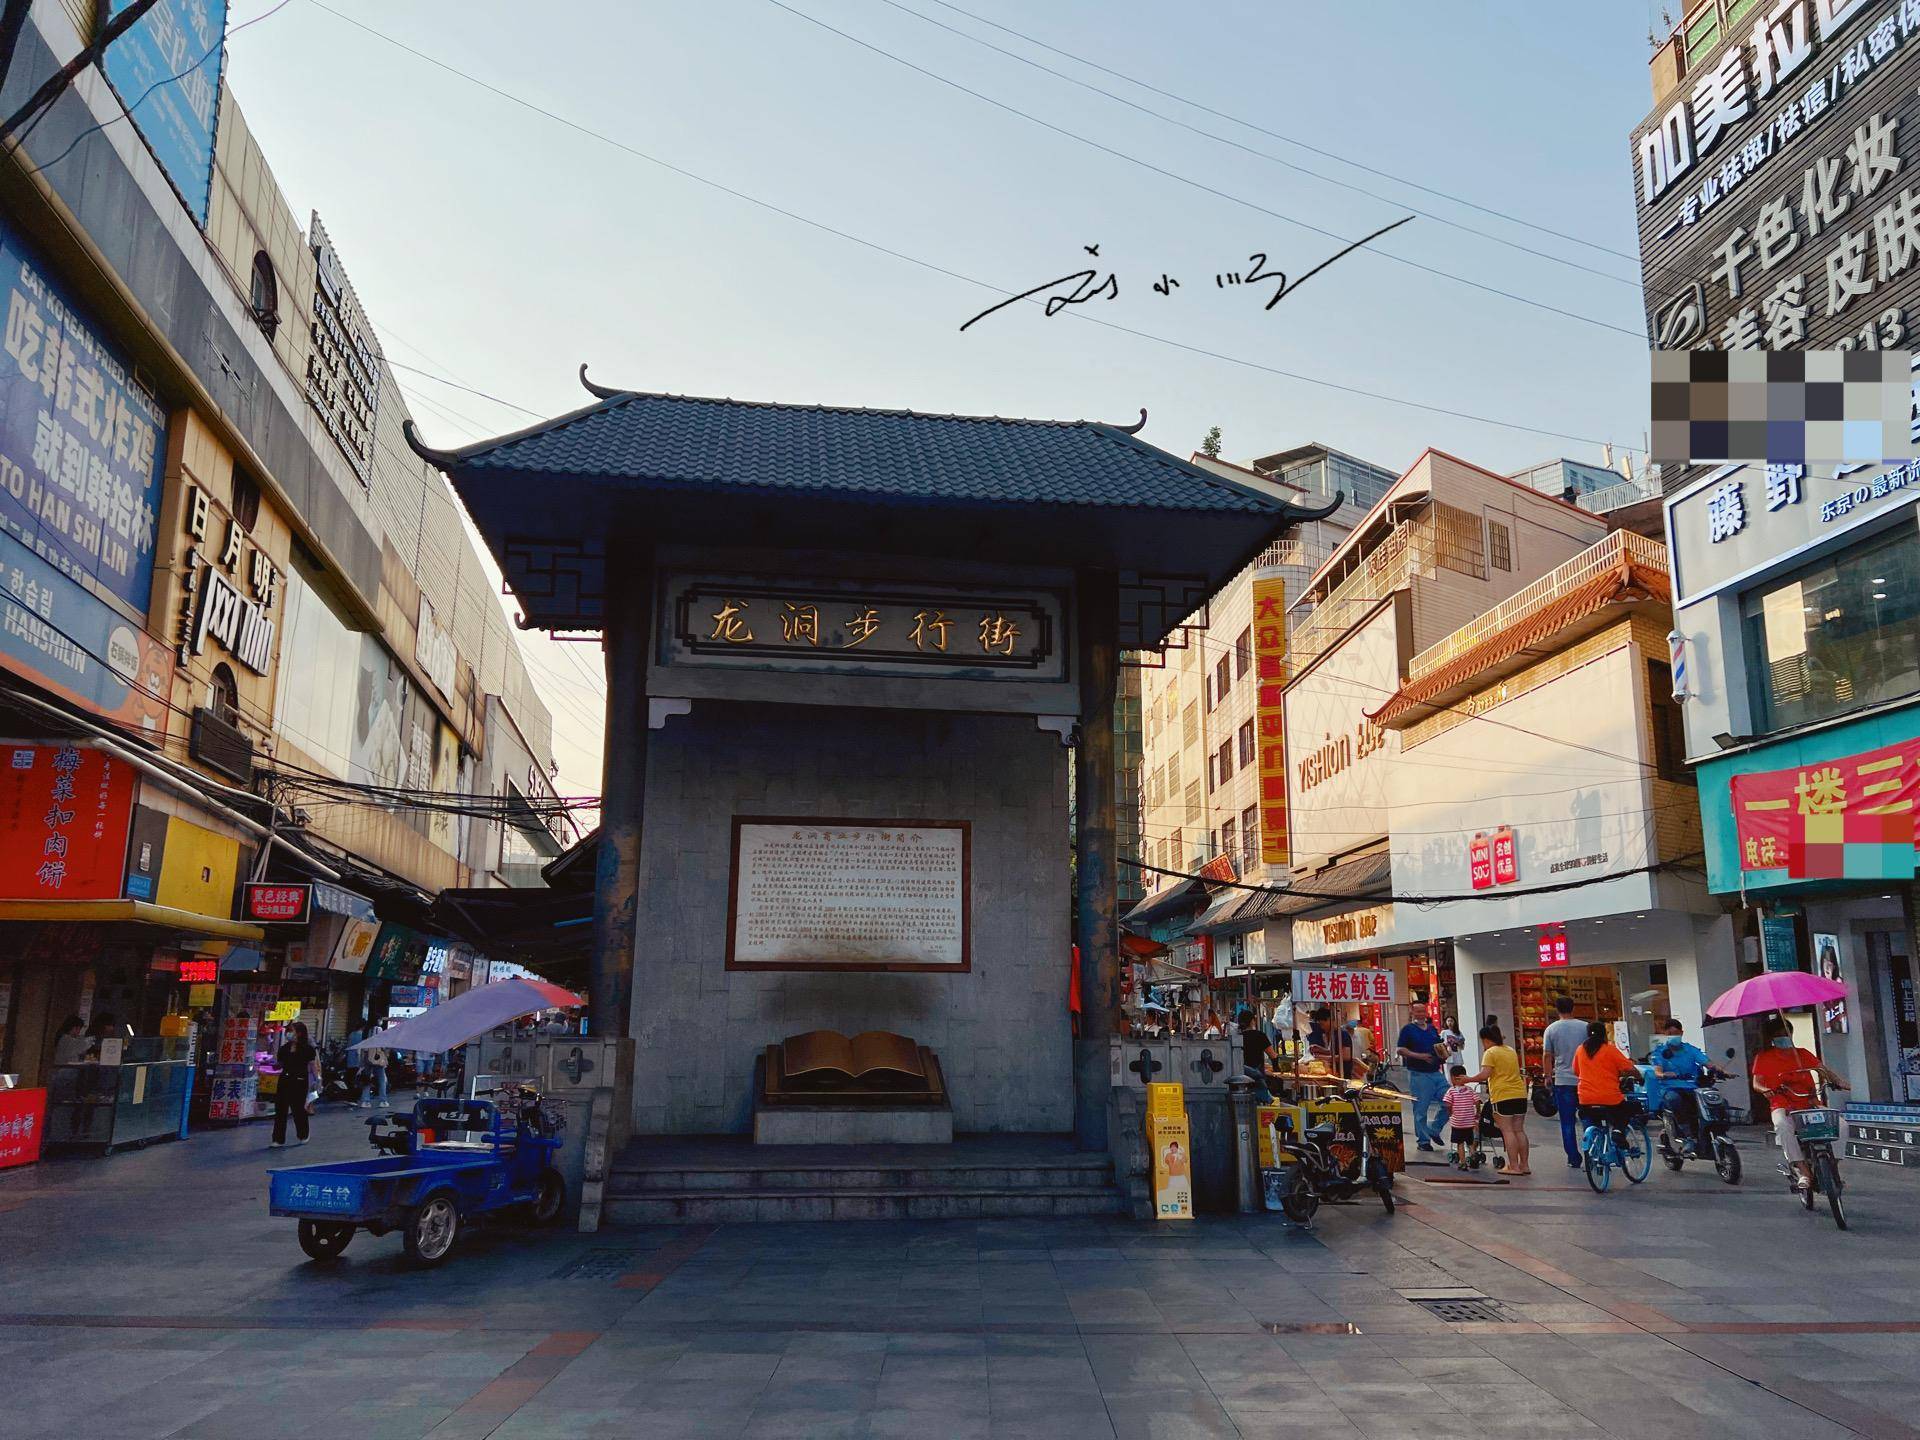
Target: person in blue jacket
(1678, 1064)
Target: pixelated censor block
(1782, 407)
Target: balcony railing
(1597, 559)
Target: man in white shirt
(1562, 1038)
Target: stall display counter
(106, 1107)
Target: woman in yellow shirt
(1506, 1086)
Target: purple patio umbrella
(456, 1021)
(1775, 990)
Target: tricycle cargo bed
(366, 1189)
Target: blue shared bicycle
(1631, 1151)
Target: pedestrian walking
(1422, 1051)
(1361, 1055)
(1450, 1032)
(1507, 1088)
(298, 1061)
(1463, 1112)
(375, 1058)
(1562, 1038)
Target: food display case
(136, 1093)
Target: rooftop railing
(1596, 559)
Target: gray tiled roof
(682, 441)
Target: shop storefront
(1816, 835)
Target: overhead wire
(1277, 135)
(935, 267)
(1178, 178)
(1174, 120)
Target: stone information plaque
(825, 894)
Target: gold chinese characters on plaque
(865, 628)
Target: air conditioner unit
(221, 746)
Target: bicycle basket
(1819, 1124)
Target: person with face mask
(1784, 1073)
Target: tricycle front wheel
(324, 1239)
(549, 1200)
(431, 1229)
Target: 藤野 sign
(1847, 817)
(67, 813)
(1352, 987)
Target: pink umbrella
(1775, 990)
(452, 1024)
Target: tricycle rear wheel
(324, 1239)
(549, 1200)
(431, 1228)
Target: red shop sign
(1506, 858)
(64, 814)
(23, 1116)
(1553, 949)
(1480, 861)
(279, 904)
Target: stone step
(633, 1179)
(907, 1202)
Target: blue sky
(502, 248)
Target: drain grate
(1477, 1307)
(597, 1265)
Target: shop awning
(132, 912)
(1181, 894)
(1360, 880)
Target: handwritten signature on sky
(1084, 285)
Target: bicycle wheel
(1828, 1173)
(1599, 1165)
(1805, 1189)
(1637, 1162)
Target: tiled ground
(151, 1295)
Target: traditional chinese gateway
(846, 653)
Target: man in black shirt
(1254, 1046)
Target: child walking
(1463, 1113)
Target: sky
(498, 248)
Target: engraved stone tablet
(822, 894)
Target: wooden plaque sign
(813, 893)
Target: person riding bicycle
(1784, 1074)
(1598, 1066)
(1679, 1065)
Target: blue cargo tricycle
(461, 1159)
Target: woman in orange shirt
(1597, 1067)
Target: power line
(126, 112)
(933, 266)
(1283, 139)
(1177, 177)
(1254, 150)
(1383, 896)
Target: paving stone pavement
(150, 1295)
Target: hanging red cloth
(1073, 990)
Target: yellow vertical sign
(1270, 725)
(1172, 1150)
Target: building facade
(1448, 542)
(1555, 821)
(1199, 764)
(236, 605)
(1772, 183)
